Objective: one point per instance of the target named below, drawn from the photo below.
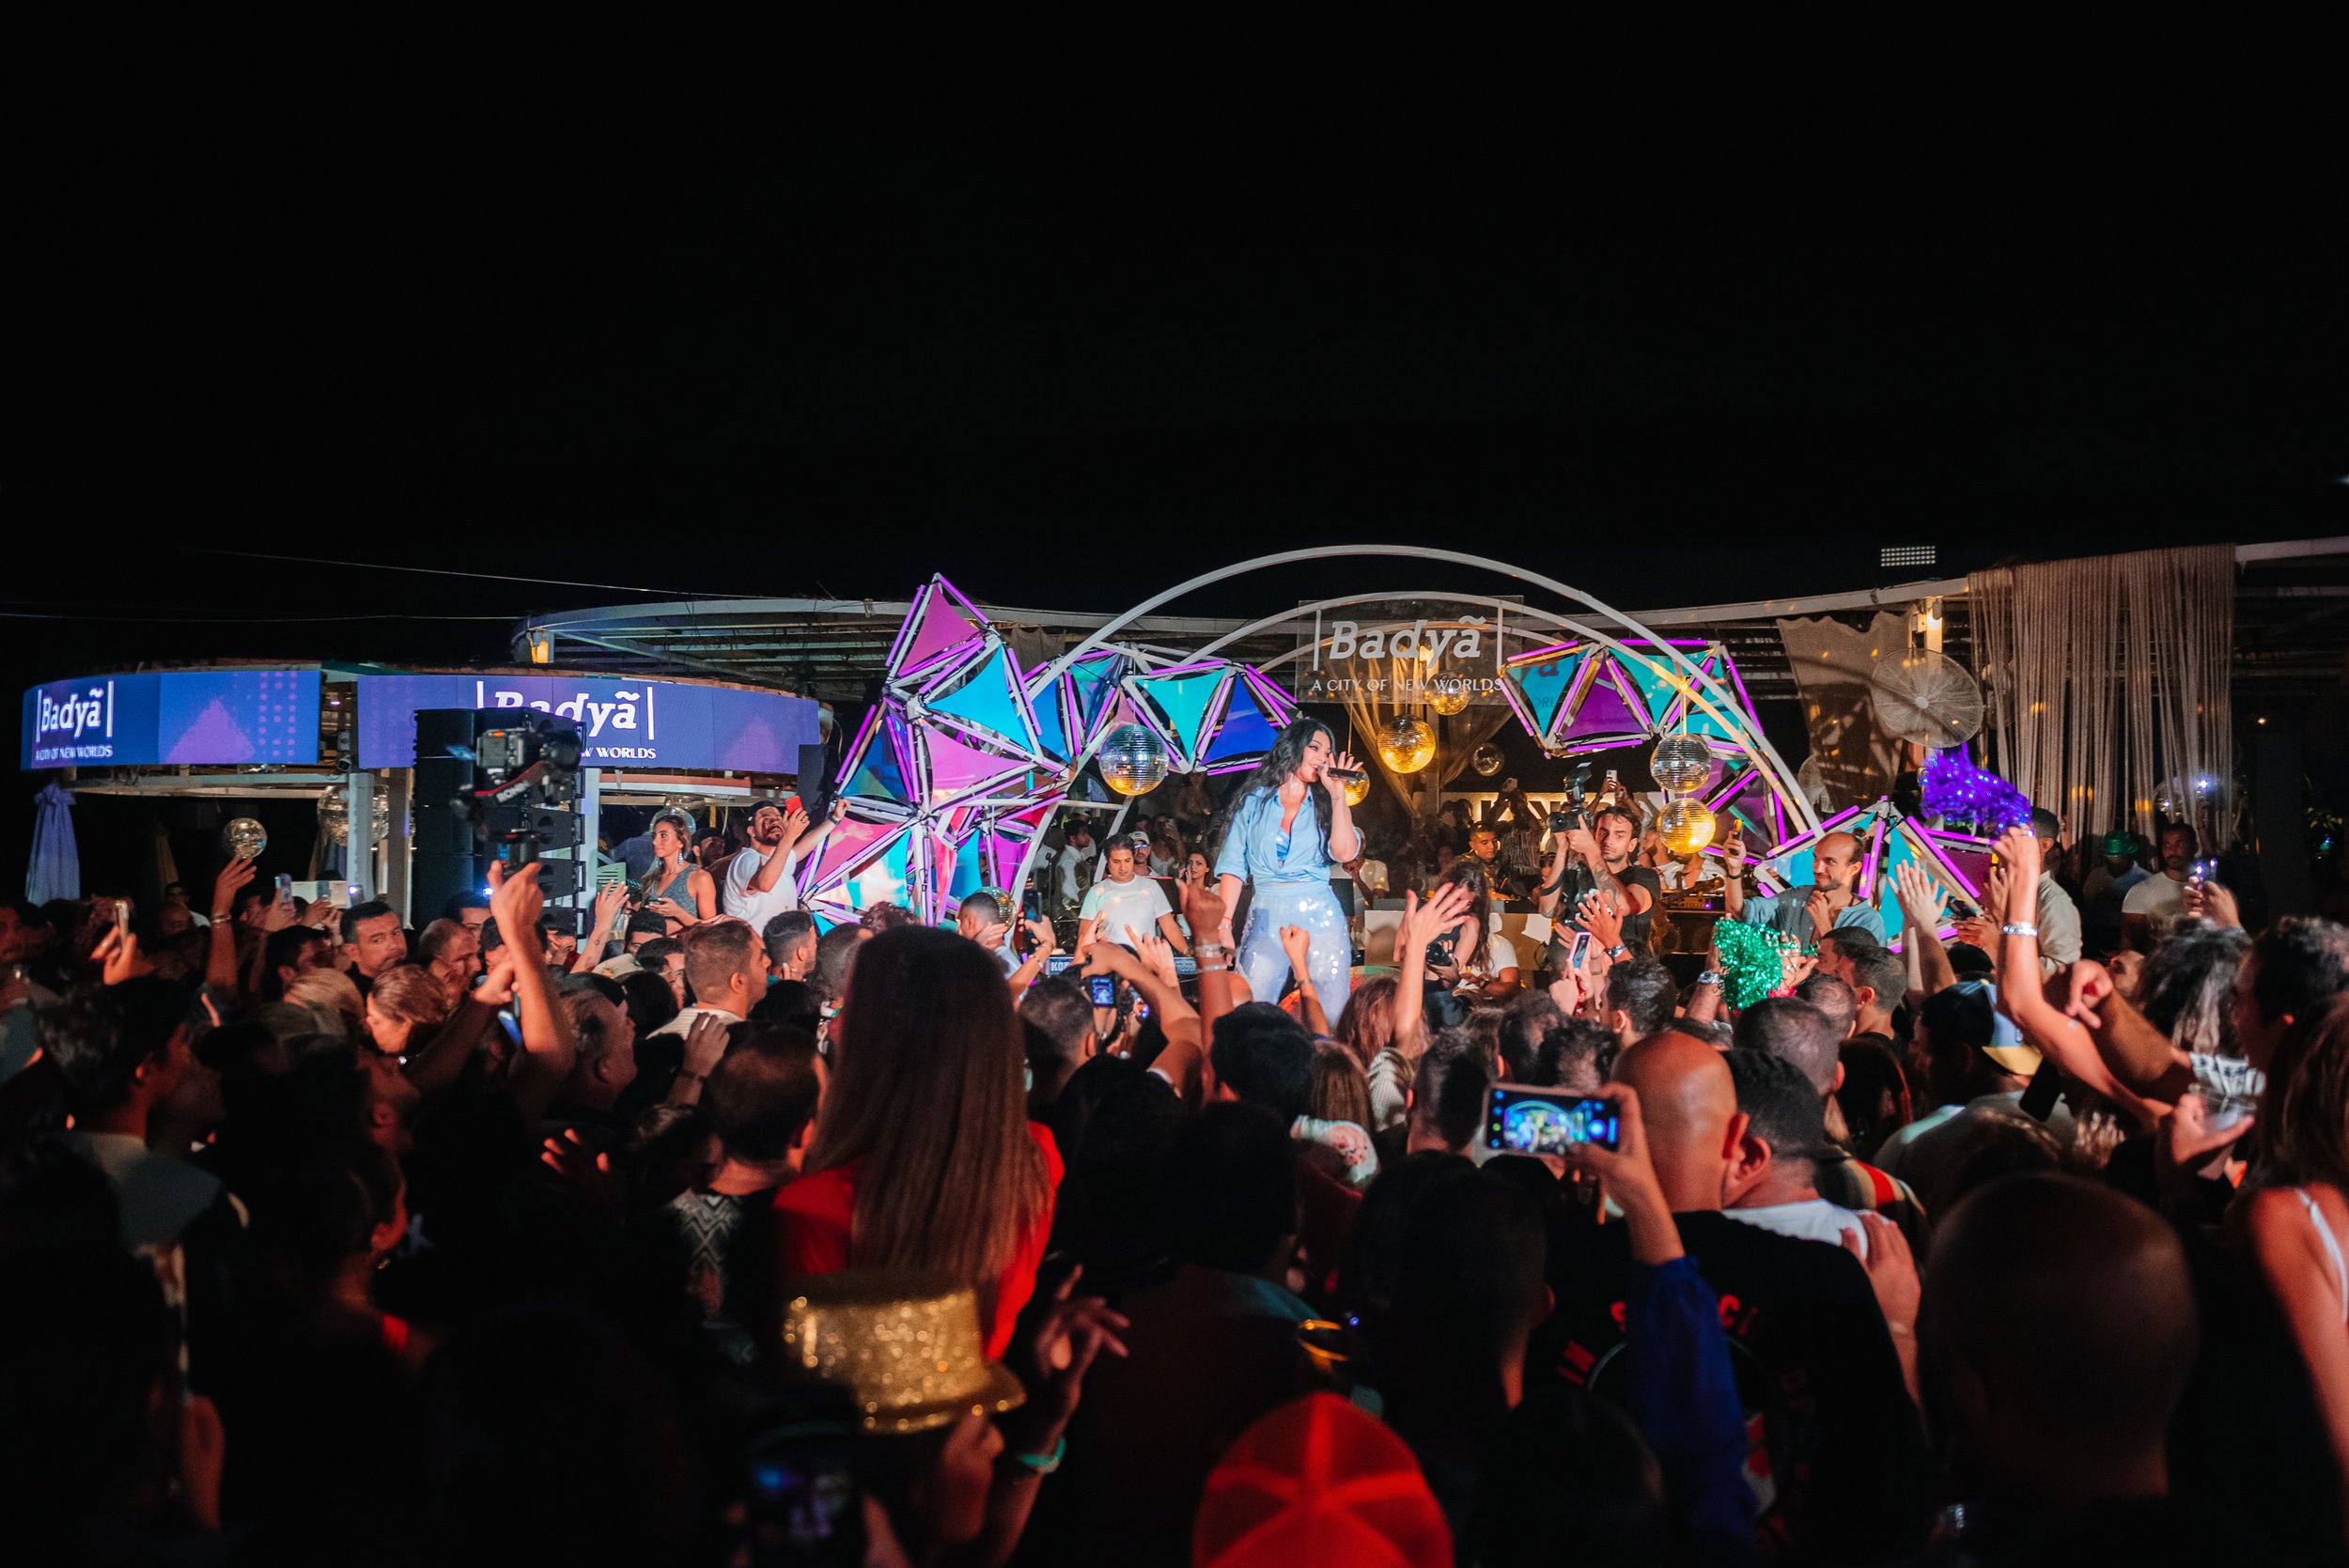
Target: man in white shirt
(725, 964)
(758, 885)
(1772, 1180)
(2154, 903)
(1123, 899)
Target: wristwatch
(1619, 952)
(1708, 977)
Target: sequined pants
(1266, 968)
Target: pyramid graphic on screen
(214, 738)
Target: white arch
(1698, 683)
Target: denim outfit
(1290, 872)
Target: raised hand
(608, 901)
(2086, 984)
(1203, 908)
(1734, 852)
(2212, 902)
(117, 955)
(497, 982)
(794, 824)
(1073, 1332)
(1157, 957)
(1422, 923)
(1628, 1174)
(1994, 894)
(706, 1043)
(992, 935)
(1040, 937)
(1343, 762)
(232, 877)
(2018, 847)
(1821, 910)
(517, 901)
(1297, 943)
(1919, 898)
(1600, 919)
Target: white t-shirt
(757, 907)
(1076, 865)
(2159, 898)
(1812, 1220)
(1138, 903)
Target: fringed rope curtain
(2107, 677)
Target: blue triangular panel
(984, 700)
(1545, 687)
(879, 774)
(1184, 700)
(1094, 681)
(1050, 732)
(1647, 671)
(1245, 729)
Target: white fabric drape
(1456, 736)
(2107, 677)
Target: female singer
(1288, 827)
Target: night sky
(1068, 362)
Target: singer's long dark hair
(1284, 759)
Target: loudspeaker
(814, 780)
(443, 779)
(435, 879)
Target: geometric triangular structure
(1243, 737)
(955, 770)
(1657, 680)
(1543, 688)
(984, 700)
(1177, 702)
(878, 764)
(1603, 713)
(937, 619)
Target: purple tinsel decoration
(1957, 791)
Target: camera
(1565, 821)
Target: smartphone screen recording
(1524, 1120)
(1058, 962)
(1104, 990)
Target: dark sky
(1070, 361)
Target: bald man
(1809, 909)
(2059, 1434)
(1839, 1466)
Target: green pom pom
(1754, 959)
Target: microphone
(1348, 774)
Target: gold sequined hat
(906, 1345)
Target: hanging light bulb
(1358, 790)
(245, 838)
(1406, 744)
(1487, 759)
(1450, 697)
(1684, 826)
(1681, 763)
(1132, 760)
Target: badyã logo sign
(1404, 651)
(621, 724)
(197, 718)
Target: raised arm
(1207, 913)
(772, 869)
(1042, 945)
(549, 1048)
(1150, 967)
(1422, 924)
(1346, 840)
(1734, 874)
(1553, 880)
(1296, 942)
(1920, 916)
(220, 958)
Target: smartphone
(803, 1507)
(1104, 990)
(351, 895)
(2205, 871)
(122, 914)
(1058, 962)
(1582, 950)
(1523, 1121)
(284, 883)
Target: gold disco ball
(1358, 790)
(1406, 744)
(1684, 826)
(245, 838)
(1450, 697)
(1132, 760)
(1487, 759)
(1681, 764)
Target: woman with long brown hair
(924, 1156)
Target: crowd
(2002, 1234)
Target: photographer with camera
(1593, 854)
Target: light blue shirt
(1789, 912)
(1256, 849)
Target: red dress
(813, 1216)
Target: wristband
(2019, 928)
(1619, 952)
(1045, 1464)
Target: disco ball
(334, 814)
(1406, 744)
(245, 838)
(1132, 760)
(1685, 827)
(1681, 764)
(1487, 759)
(1358, 790)
(1450, 697)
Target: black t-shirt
(1838, 1464)
(1578, 880)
